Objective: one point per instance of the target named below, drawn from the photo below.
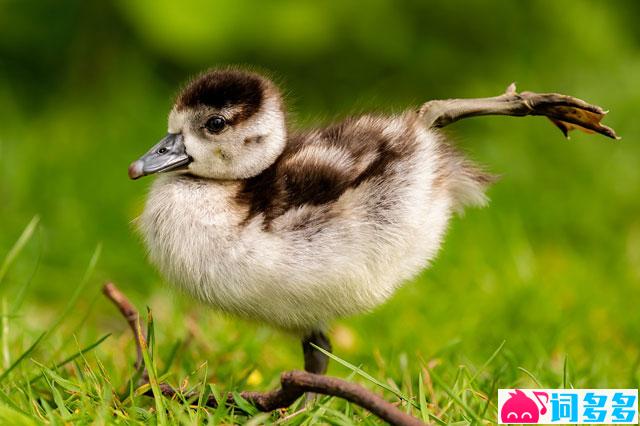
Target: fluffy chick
(295, 229)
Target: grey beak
(168, 154)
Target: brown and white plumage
(295, 229)
(298, 229)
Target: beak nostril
(168, 154)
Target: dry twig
(294, 384)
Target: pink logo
(519, 408)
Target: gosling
(296, 229)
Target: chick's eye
(215, 124)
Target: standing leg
(315, 361)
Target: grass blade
(367, 376)
(9, 401)
(243, 404)
(151, 370)
(25, 354)
(6, 358)
(19, 298)
(494, 388)
(18, 246)
(455, 397)
(531, 376)
(79, 289)
(489, 361)
(565, 372)
(70, 358)
(53, 377)
(422, 400)
(171, 357)
(9, 415)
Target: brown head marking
(225, 88)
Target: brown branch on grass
(129, 312)
(293, 384)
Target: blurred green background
(552, 266)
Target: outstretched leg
(566, 112)
(315, 361)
